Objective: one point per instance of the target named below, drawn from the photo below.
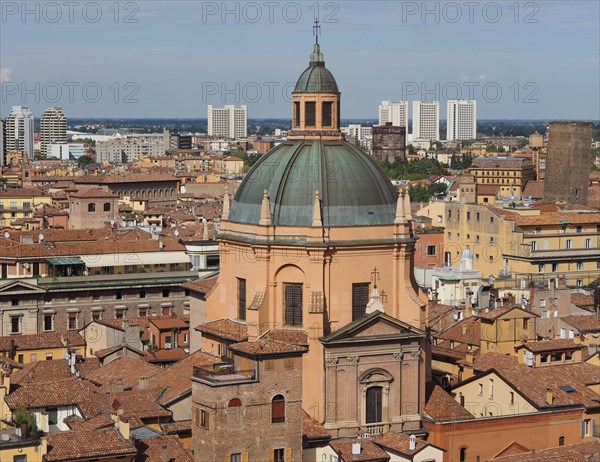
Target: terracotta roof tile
(95, 423)
(439, 405)
(369, 451)
(312, 430)
(552, 345)
(169, 323)
(293, 336)
(183, 426)
(42, 341)
(399, 442)
(225, 328)
(74, 445)
(124, 368)
(140, 404)
(583, 301)
(583, 323)
(267, 347)
(201, 285)
(42, 371)
(167, 448)
(533, 382)
(465, 331)
(176, 380)
(110, 350)
(580, 452)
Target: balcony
(376, 429)
(224, 374)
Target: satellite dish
(123, 224)
(176, 233)
(6, 235)
(41, 237)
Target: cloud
(5, 74)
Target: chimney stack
(356, 448)
(549, 396)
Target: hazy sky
(170, 59)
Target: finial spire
(265, 210)
(317, 220)
(226, 205)
(316, 30)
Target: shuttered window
(360, 298)
(293, 304)
(241, 299)
(278, 409)
(310, 114)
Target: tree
(419, 193)
(84, 160)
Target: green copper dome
(316, 78)
(353, 190)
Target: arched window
(278, 409)
(561, 441)
(107, 206)
(374, 407)
(463, 454)
(91, 207)
(235, 402)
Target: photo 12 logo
(247, 92)
(63, 92)
(470, 12)
(69, 12)
(490, 92)
(268, 12)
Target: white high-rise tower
(426, 120)
(19, 131)
(53, 127)
(228, 122)
(396, 113)
(462, 120)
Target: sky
(170, 59)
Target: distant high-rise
(1, 141)
(228, 122)
(396, 113)
(53, 127)
(426, 120)
(19, 131)
(462, 120)
(568, 162)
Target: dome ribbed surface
(316, 79)
(353, 190)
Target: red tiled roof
(580, 452)
(293, 336)
(583, 323)
(551, 345)
(312, 430)
(183, 426)
(203, 286)
(95, 423)
(124, 368)
(441, 406)
(75, 445)
(176, 380)
(169, 323)
(42, 341)
(400, 442)
(168, 448)
(225, 328)
(267, 347)
(369, 451)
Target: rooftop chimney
(356, 448)
(549, 396)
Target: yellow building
(40, 347)
(503, 329)
(527, 241)
(16, 449)
(20, 203)
(510, 173)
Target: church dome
(353, 189)
(316, 78)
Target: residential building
(169, 333)
(426, 120)
(129, 149)
(93, 209)
(53, 127)
(30, 348)
(568, 162)
(19, 131)
(21, 203)
(228, 122)
(508, 175)
(64, 151)
(250, 408)
(462, 120)
(394, 113)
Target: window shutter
(207, 420)
(288, 454)
(582, 428)
(244, 457)
(227, 458)
(197, 417)
(271, 456)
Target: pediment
(375, 326)
(20, 287)
(511, 449)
